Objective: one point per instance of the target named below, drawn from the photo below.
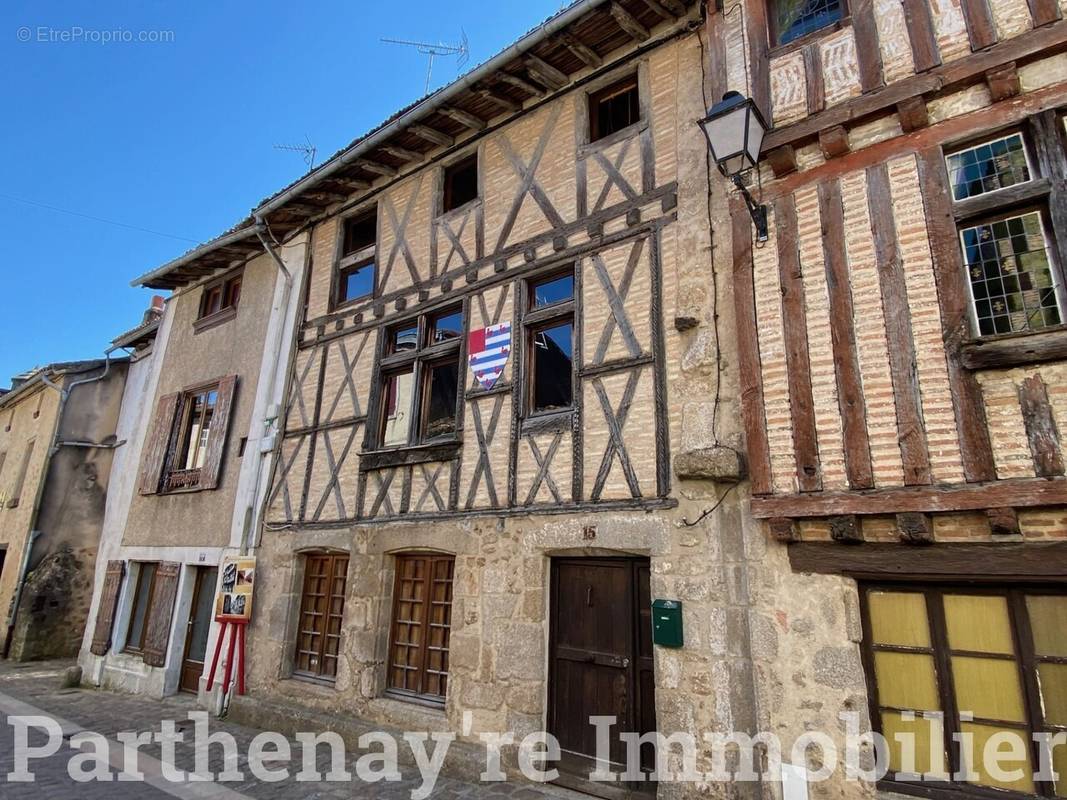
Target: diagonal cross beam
(333, 487)
(616, 448)
(282, 486)
(456, 240)
(431, 488)
(297, 390)
(382, 498)
(613, 175)
(483, 468)
(347, 380)
(543, 464)
(400, 242)
(528, 185)
(617, 304)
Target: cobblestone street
(32, 689)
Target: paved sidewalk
(27, 689)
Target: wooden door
(600, 662)
(198, 628)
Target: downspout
(53, 448)
(281, 310)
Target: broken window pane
(552, 367)
(442, 384)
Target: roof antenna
(308, 149)
(461, 51)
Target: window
(198, 411)
(1013, 281)
(356, 267)
(461, 183)
(322, 605)
(421, 380)
(187, 440)
(987, 167)
(614, 108)
(222, 295)
(422, 620)
(972, 662)
(142, 606)
(791, 19)
(549, 323)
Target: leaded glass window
(795, 18)
(989, 166)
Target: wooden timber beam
(464, 118)
(325, 196)
(544, 72)
(301, 208)
(402, 153)
(376, 167)
(1026, 561)
(1017, 493)
(1042, 42)
(666, 10)
(581, 50)
(629, 23)
(498, 99)
(432, 135)
(520, 83)
(353, 184)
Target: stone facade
(57, 437)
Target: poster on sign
(234, 601)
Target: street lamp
(734, 129)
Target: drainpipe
(281, 309)
(31, 539)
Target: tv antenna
(307, 149)
(461, 51)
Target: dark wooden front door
(198, 628)
(600, 662)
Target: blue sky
(177, 137)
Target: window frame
(423, 648)
(129, 647)
(631, 80)
(941, 653)
(420, 361)
(448, 174)
(347, 263)
(331, 559)
(536, 319)
(1019, 199)
(180, 429)
(228, 305)
(773, 34)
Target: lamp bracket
(757, 211)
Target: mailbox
(667, 623)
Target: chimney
(155, 311)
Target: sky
(174, 137)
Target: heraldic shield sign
(489, 349)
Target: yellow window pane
(1053, 680)
(1048, 620)
(996, 770)
(979, 623)
(1059, 766)
(988, 688)
(899, 618)
(915, 746)
(906, 680)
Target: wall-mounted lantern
(734, 129)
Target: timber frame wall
(872, 411)
(549, 199)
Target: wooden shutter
(155, 446)
(109, 600)
(160, 611)
(422, 620)
(216, 440)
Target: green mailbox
(667, 623)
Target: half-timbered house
(901, 342)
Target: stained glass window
(988, 166)
(796, 18)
